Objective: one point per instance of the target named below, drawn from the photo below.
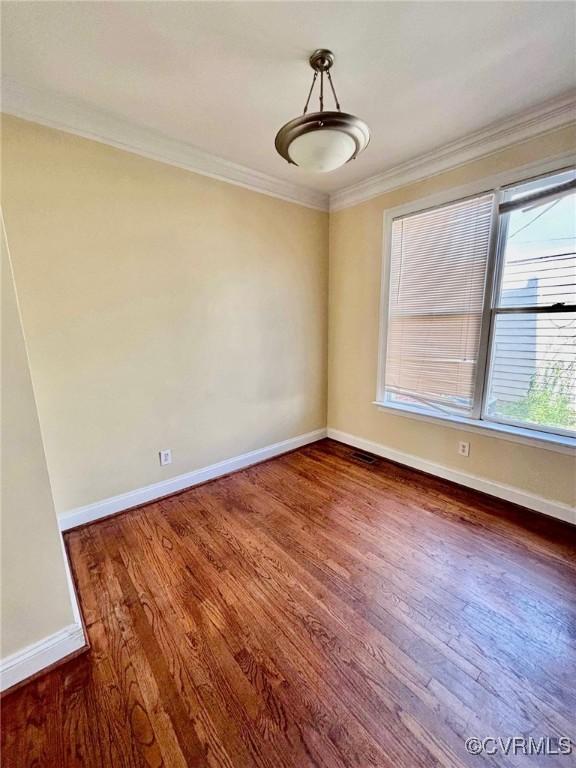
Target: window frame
(478, 419)
(496, 310)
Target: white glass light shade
(322, 150)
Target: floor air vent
(365, 458)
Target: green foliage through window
(548, 400)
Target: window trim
(495, 184)
(485, 345)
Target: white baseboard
(508, 492)
(38, 656)
(123, 501)
(71, 586)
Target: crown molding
(56, 111)
(72, 116)
(553, 114)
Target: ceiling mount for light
(322, 141)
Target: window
(481, 320)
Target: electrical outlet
(165, 457)
(464, 448)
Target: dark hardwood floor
(311, 611)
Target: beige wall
(355, 267)
(35, 597)
(162, 309)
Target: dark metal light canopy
(322, 141)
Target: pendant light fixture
(322, 141)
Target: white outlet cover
(464, 448)
(165, 457)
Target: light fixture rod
(321, 61)
(310, 92)
(333, 91)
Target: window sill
(546, 440)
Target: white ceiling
(224, 76)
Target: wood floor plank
(311, 611)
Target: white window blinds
(438, 264)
